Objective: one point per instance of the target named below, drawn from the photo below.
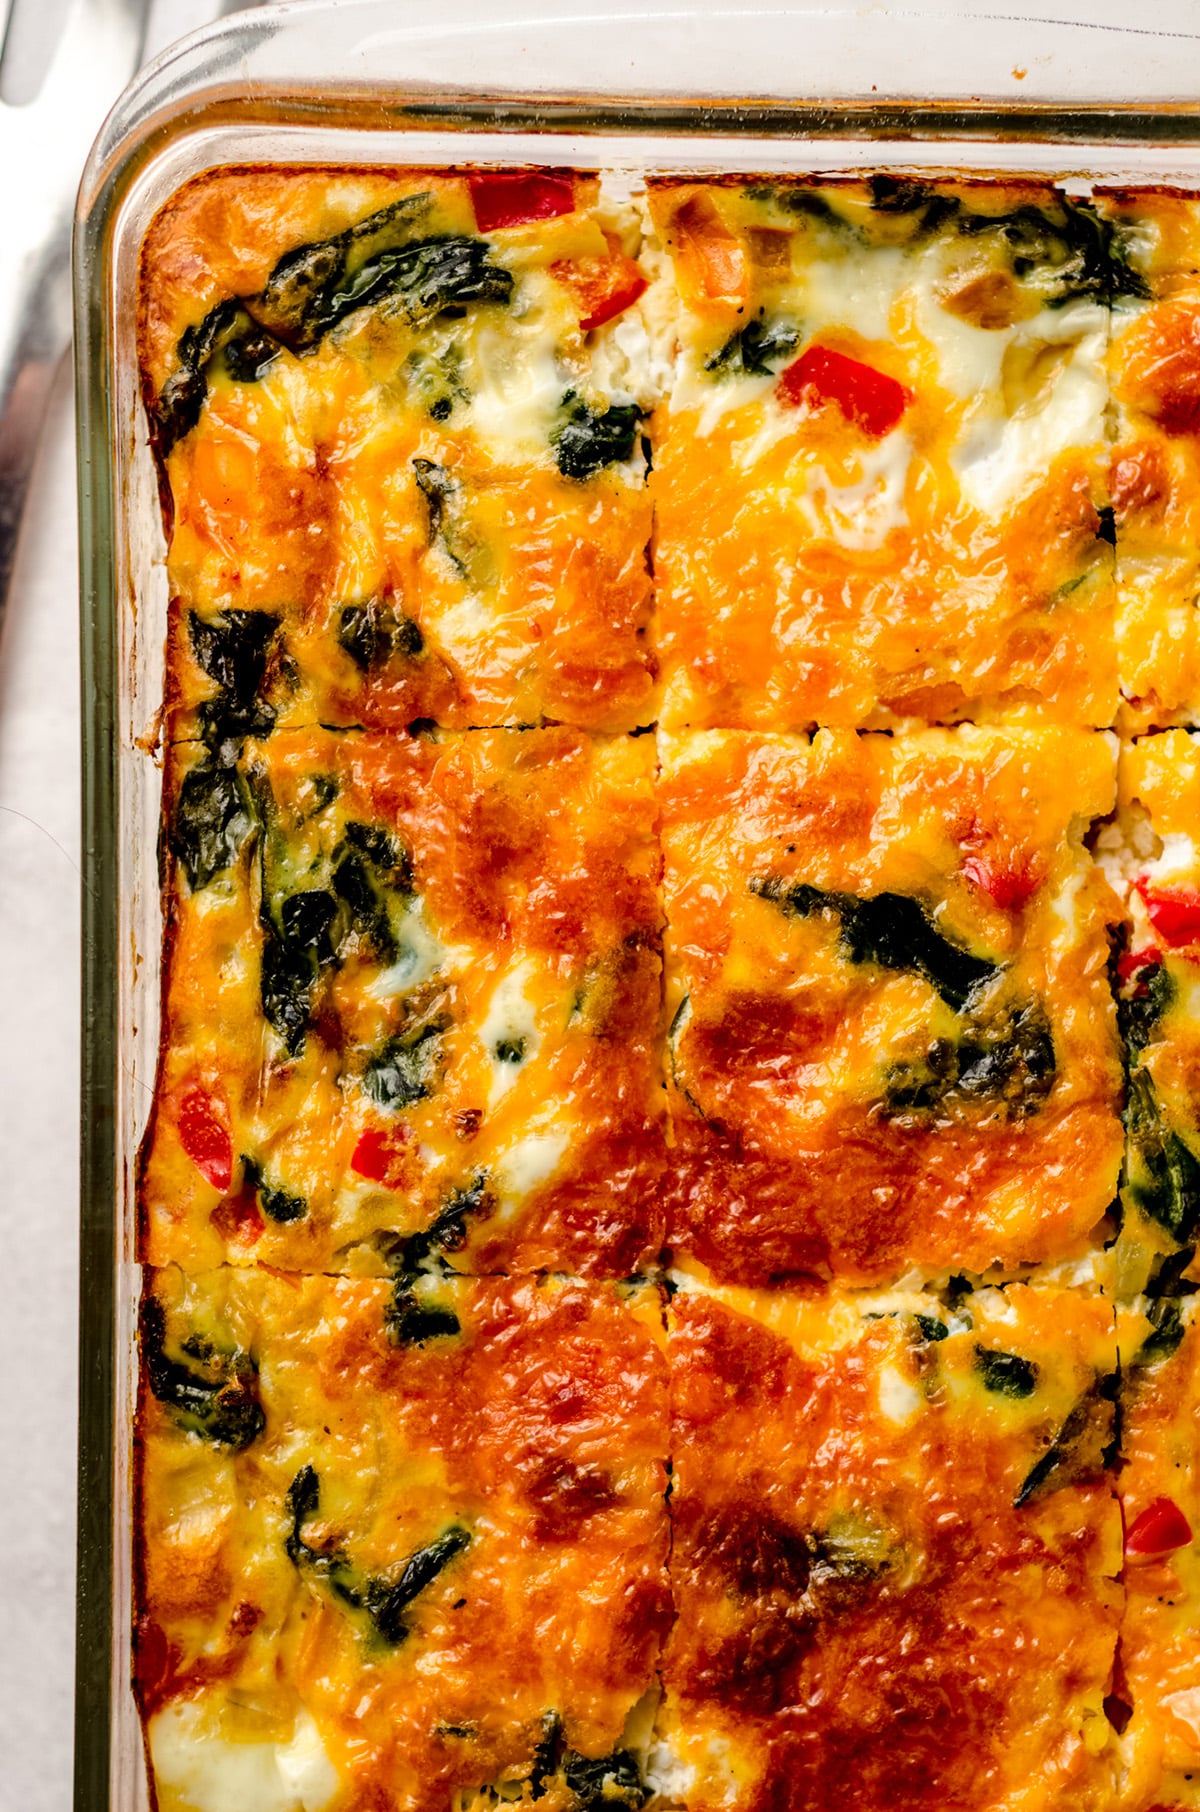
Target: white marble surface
(39, 980)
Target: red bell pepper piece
(204, 1134)
(1133, 963)
(507, 198)
(866, 396)
(1160, 1529)
(376, 1152)
(1008, 887)
(1173, 911)
(603, 287)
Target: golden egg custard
(1154, 411)
(413, 997)
(392, 1569)
(892, 1041)
(881, 472)
(401, 458)
(894, 1551)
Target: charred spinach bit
(218, 1398)
(403, 1070)
(372, 634)
(902, 195)
(509, 1050)
(227, 332)
(587, 442)
(294, 949)
(1142, 1005)
(1162, 1172)
(758, 349)
(383, 1600)
(1083, 1447)
(439, 489)
(606, 1781)
(212, 817)
(1083, 254)
(1005, 1059)
(1166, 1289)
(277, 1204)
(409, 1321)
(892, 930)
(1005, 1374)
(596, 1783)
(234, 648)
(1107, 525)
(368, 866)
(931, 1328)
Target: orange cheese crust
(832, 1112)
(1154, 381)
(388, 492)
(879, 475)
(530, 1443)
(428, 974)
(1160, 1647)
(865, 1616)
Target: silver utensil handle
(35, 330)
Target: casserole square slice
(891, 1037)
(1154, 379)
(399, 425)
(895, 1551)
(412, 1005)
(383, 1571)
(881, 471)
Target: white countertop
(39, 985)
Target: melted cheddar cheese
(382, 1573)
(891, 1036)
(879, 472)
(894, 1552)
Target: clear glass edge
(183, 108)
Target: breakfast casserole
(670, 1203)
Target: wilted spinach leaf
(587, 441)
(383, 1599)
(1140, 1007)
(234, 648)
(757, 349)
(1162, 1172)
(1003, 1060)
(217, 1397)
(372, 634)
(411, 1321)
(890, 929)
(212, 818)
(1006, 1374)
(276, 1204)
(404, 1070)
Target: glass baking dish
(722, 87)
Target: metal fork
(43, 146)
